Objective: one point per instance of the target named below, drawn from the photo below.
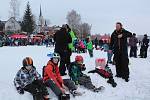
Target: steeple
(41, 21)
(40, 11)
(45, 23)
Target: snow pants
(37, 88)
(133, 51)
(67, 82)
(86, 82)
(64, 61)
(143, 51)
(109, 56)
(90, 52)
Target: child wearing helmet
(53, 79)
(75, 73)
(28, 79)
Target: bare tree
(74, 21)
(82, 30)
(85, 30)
(14, 8)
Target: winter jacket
(75, 72)
(81, 45)
(106, 47)
(62, 39)
(89, 45)
(51, 71)
(105, 73)
(133, 41)
(120, 44)
(73, 37)
(25, 77)
(145, 42)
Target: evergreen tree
(28, 23)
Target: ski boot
(100, 89)
(112, 82)
(64, 97)
(76, 93)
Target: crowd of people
(66, 43)
(18, 41)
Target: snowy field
(138, 88)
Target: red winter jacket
(51, 71)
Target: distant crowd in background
(23, 40)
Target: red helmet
(79, 58)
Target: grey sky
(102, 14)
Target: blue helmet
(53, 55)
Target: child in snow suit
(109, 51)
(53, 79)
(81, 46)
(90, 47)
(103, 70)
(28, 79)
(78, 77)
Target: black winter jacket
(120, 44)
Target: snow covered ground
(138, 88)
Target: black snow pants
(37, 88)
(64, 60)
(67, 82)
(143, 51)
(133, 51)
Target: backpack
(44, 69)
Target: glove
(76, 83)
(20, 90)
(66, 88)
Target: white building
(12, 26)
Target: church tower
(41, 21)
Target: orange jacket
(51, 71)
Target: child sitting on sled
(103, 70)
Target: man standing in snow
(119, 47)
(133, 46)
(62, 39)
(144, 47)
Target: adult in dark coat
(133, 46)
(119, 47)
(144, 47)
(62, 39)
(96, 42)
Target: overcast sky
(101, 14)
